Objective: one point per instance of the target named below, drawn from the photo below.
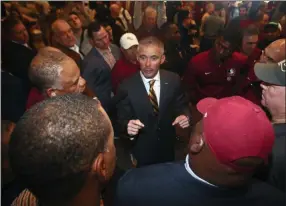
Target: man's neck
(77, 32)
(279, 118)
(89, 195)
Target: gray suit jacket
(97, 74)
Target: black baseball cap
(272, 73)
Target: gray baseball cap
(272, 73)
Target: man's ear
(196, 144)
(99, 168)
(163, 58)
(50, 92)
(91, 42)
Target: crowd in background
(100, 49)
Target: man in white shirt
(154, 105)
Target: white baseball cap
(128, 40)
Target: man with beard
(176, 59)
(216, 72)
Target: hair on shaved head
(45, 68)
(151, 41)
(55, 143)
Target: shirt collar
(146, 81)
(190, 171)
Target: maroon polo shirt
(207, 78)
(251, 89)
(122, 70)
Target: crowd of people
(80, 79)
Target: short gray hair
(46, 67)
(149, 11)
(151, 41)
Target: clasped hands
(134, 126)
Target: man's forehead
(100, 34)
(149, 50)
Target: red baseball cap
(235, 128)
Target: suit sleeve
(95, 79)
(181, 102)
(124, 110)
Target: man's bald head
(276, 50)
(62, 33)
(114, 10)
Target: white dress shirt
(76, 49)
(190, 171)
(156, 86)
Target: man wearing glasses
(272, 71)
(216, 72)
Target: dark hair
(250, 30)
(244, 6)
(73, 13)
(93, 27)
(233, 38)
(55, 144)
(9, 23)
(105, 24)
(218, 6)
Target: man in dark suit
(154, 104)
(98, 63)
(16, 53)
(64, 39)
(224, 152)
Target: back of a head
(46, 67)
(8, 25)
(54, 145)
(218, 6)
(225, 124)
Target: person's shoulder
(130, 81)
(239, 57)
(150, 174)
(267, 193)
(201, 57)
(146, 179)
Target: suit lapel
(142, 99)
(97, 54)
(164, 84)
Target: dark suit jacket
(155, 142)
(170, 184)
(16, 59)
(72, 54)
(97, 74)
(14, 97)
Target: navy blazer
(97, 74)
(170, 184)
(155, 142)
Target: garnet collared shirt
(207, 78)
(122, 70)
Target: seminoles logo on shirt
(231, 72)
